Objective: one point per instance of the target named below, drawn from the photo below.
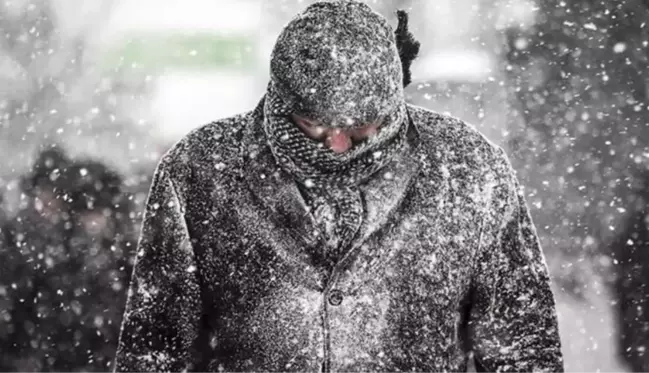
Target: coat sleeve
(512, 322)
(163, 308)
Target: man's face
(337, 139)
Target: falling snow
(424, 247)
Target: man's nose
(341, 140)
(337, 140)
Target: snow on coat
(435, 255)
(447, 261)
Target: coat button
(335, 297)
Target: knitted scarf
(337, 63)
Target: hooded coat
(444, 261)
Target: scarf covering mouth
(336, 63)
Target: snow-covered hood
(338, 63)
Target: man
(336, 228)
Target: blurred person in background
(32, 237)
(68, 252)
(98, 264)
(5, 317)
(336, 228)
(3, 214)
(630, 251)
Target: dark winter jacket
(446, 262)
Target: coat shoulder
(451, 135)
(454, 143)
(215, 145)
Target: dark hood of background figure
(46, 184)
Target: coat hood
(338, 62)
